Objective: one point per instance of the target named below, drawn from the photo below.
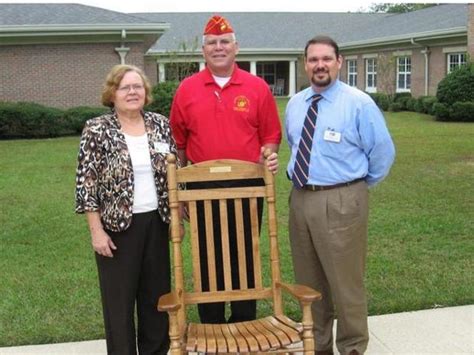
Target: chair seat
(252, 336)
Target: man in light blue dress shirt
(351, 151)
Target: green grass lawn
(420, 235)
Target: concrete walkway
(436, 331)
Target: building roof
(47, 20)
(289, 31)
(257, 32)
(441, 20)
(260, 30)
(65, 14)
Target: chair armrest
(169, 302)
(301, 292)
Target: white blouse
(144, 190)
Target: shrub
(463, 111)
(456, 92)
(30, 120)
(395, 107)
(441, 111)
(418, 105)
(163, 94)
(375, 96)
(457, 86)
(381, 100)
(76, 117)
(427, 103)
(424, 104)
(410, 104)
(402, 99)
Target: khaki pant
(328, 236)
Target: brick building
(59, 54)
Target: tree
(386, 71)
(181, 63)
(398, 7)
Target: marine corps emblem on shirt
(241, 104)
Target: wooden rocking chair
(272, 334)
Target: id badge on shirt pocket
(332, 143)
(332, 136)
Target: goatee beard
(321, 83)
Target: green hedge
(395, 107)
(77, 116)
(382, 100)
(163, 94)
(456, 95)
(457, 86)
(30, 120)
(397, 102)
(427, 103)
(441, 111)
(462, 111)
(410, 104)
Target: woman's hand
(102, 243)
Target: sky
(225, 5)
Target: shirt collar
(236, 77)
(327, 94)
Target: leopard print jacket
(104, 176)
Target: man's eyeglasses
(127, 88)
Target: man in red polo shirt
(224, 112)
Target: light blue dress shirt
(351, 139)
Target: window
(371, 75)
(403, 74)
(352, 72)
(267, 71)
(456, 60)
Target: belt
(329, 187)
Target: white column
(122, 51)
(202, 66)
(292, 83)
(253, 67)
(161, 72)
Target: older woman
(121, 186)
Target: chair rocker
(276, 333)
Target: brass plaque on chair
(220, 169)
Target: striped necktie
(303, 156)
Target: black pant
(241, 310)
(138, 273)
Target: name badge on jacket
(162, 147)
(332, 136)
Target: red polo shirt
(232, 122)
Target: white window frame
(403, 74)
(371, 74)
(351, 72)
(455, 60)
